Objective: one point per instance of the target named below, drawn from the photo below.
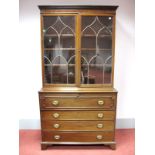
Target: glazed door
(59, 49)
(96, 50)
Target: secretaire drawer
(77, 115)
(77, 125)
(77, 136)
(107, 102)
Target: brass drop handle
(56, 126)
(56, 115)
(99, 137)
(99, 125)
(100, 115)
(55, 103)
(100, 102)
(57, 137)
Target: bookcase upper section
(78, 45)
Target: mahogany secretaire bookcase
(77, 100)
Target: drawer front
(77, 102)
(77, 136)
(77, 115)
(77, 125)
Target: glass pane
(96, 50)
(59, 49)
(59, 66)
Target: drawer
(77, 136)
(77, 115)
(77, 102)
(77, 125)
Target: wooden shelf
(97, 65)
(73, 49)
(94, 49)
(63, 35)
(58, 49)
(100, 36)
(57, 65)
(72, 65)
(71, 35)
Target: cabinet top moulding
(88, 7)
(74, 8)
